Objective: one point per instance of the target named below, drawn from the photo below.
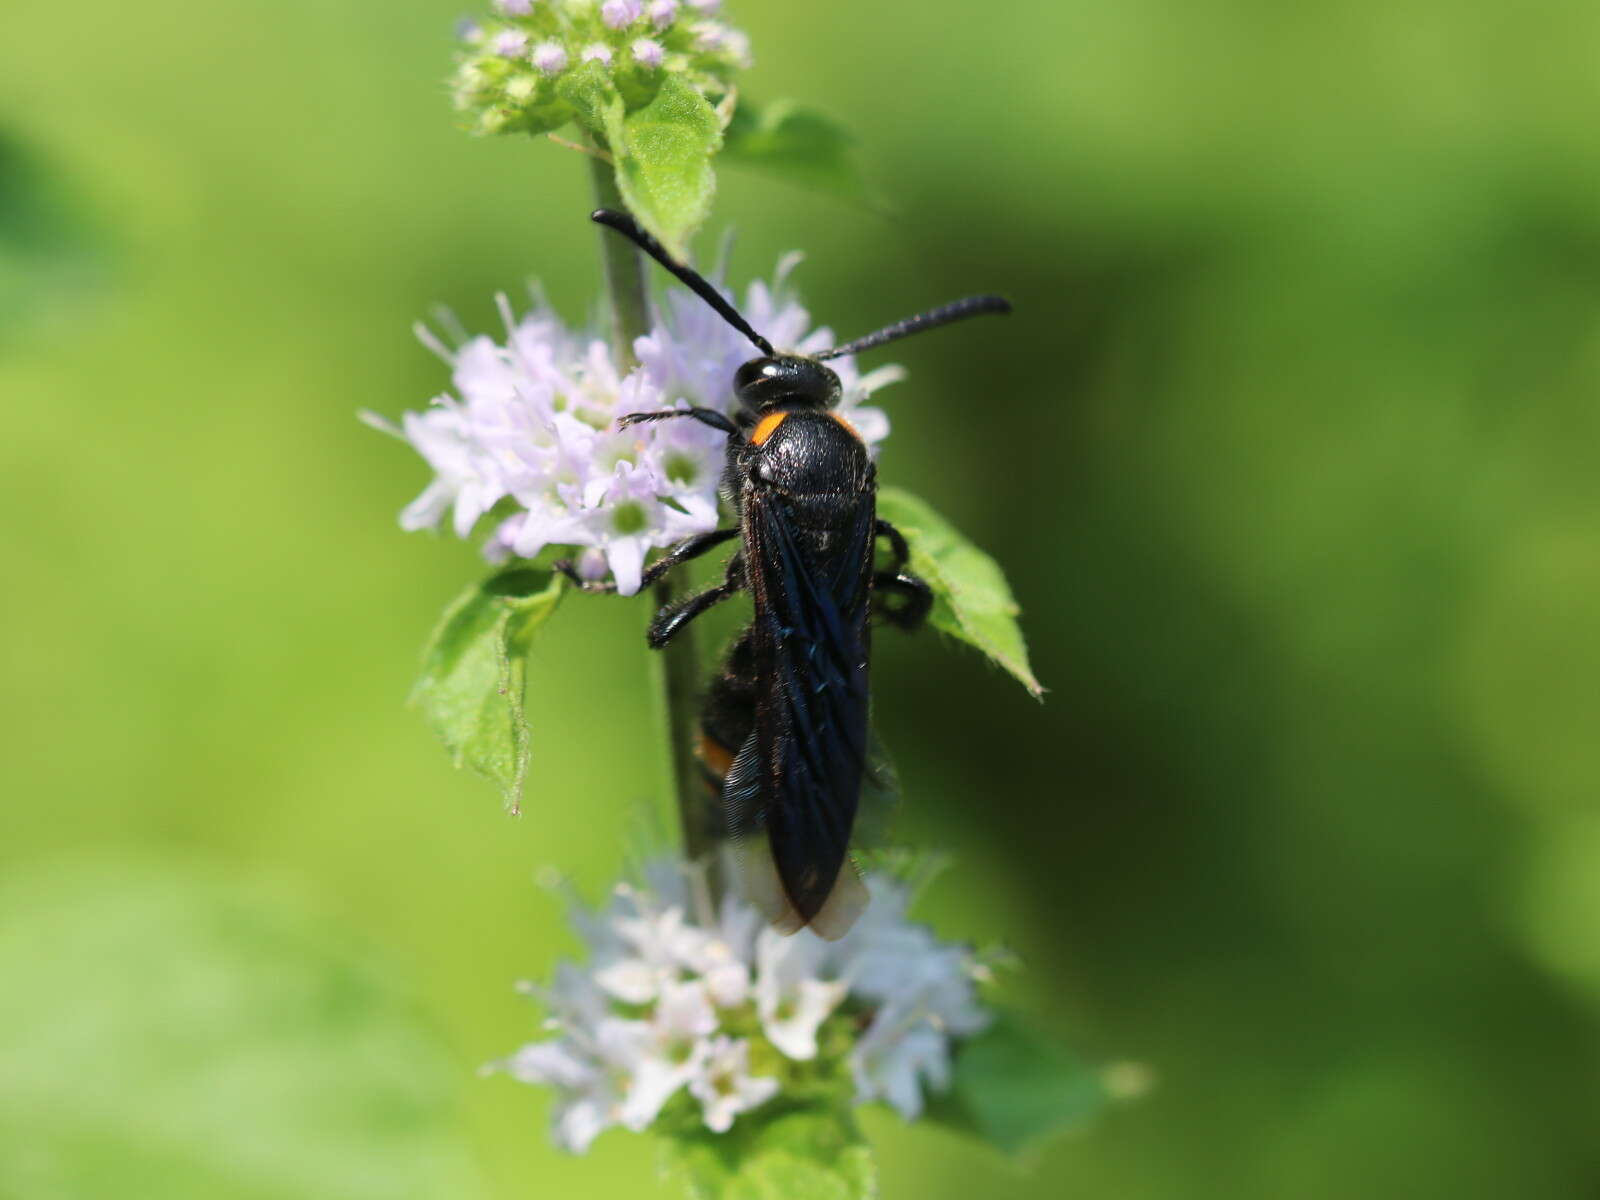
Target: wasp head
(785, 380)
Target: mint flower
(673, 1004)
(508, 43)
(529, 432)
(501, 89)
(662, 13)
(648, 53)
(619, 14)
(550, 58)
(724, 1085)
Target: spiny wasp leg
(915, 599)
(681, 553)
(676, 615)
(706, 416)
(898, 549)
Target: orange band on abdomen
(717, 757)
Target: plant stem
(625, 286)
(677, 666)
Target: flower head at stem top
(516, 70)
(531, 431)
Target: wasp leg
(685, 550)
(706, 416)
(675, 616)
(916, 599)
(899, 552)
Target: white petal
(381, 423)
(651, 1087)
(630, 980)
(626, 556)
(880, 377)
(728, 983)
(472, 501)
(796, 1035)
(871, 423)
(581, 1120)
(553, 1062)
(624, 1044)
(425, 511)
(684, 1011)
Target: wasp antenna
(629, 228)
(956, 310)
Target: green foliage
(801, 1154)
(663, 155)
(166, 1033)
(651, 109)
(797, 143)
(972, 600)
(474, 673)
(48, 250)
(1015, 1088)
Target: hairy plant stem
(677, 666)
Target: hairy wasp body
(784, 727)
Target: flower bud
(550, 57)
(508, 43)
(662, 13)
(597, 52)
(647, 53)
(513, 8)
(619, 14)
(522, 88)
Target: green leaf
(170, 1034)
(663, 155)
(799, 144)
(49, 252)
(799, 1154)
(594, 99)
(1015, 1088)
(474, 673)
(972, 600)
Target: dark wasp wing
(797, 779)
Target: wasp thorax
(785, 379)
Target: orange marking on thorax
(766, 427)
(849, 428)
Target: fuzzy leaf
(972, 600)
(596, 103)
(474, 673)
(799, 144)
(168, 1033)
(663, 155)
(803, 1154)
(1015, 1088)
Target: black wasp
(784, 726)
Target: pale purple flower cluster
(511, 71)
(657, 1009)
(530, 430)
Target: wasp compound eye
(754, 372)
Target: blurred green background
(1289, 452)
